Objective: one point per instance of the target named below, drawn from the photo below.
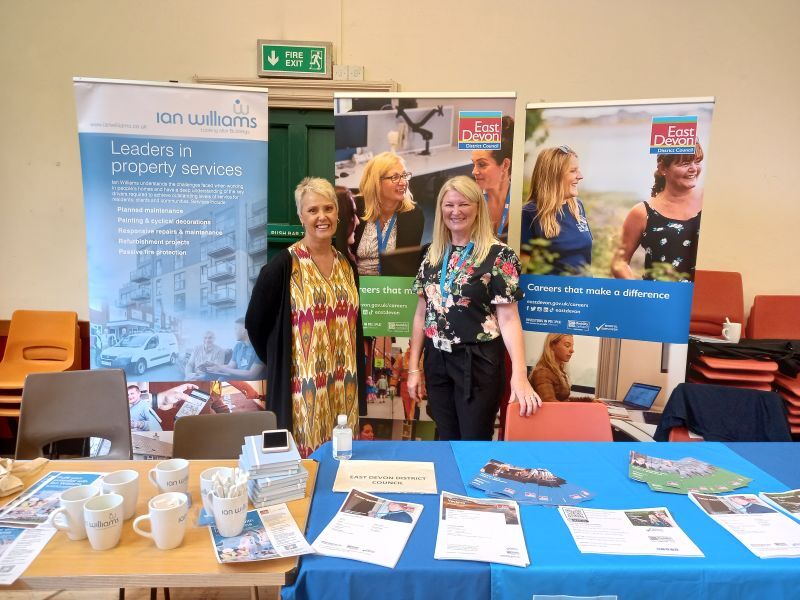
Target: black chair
(218, 436)
(75, 405)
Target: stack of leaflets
(273, 477)
(682, 476)
(527, 485)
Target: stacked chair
(778, 317)
(718, 295)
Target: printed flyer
(175, 194)
(393, 154)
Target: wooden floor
(239, 593)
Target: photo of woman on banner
(390, 219)
(549, 377)
(306, 301)
(667, 226)
(468, 287)
(491, 170)
(555, 229)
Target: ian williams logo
(479, 129)
(239, 108)
(673, 135)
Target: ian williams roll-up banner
(175, 192)
(422, 139)
(610, 223)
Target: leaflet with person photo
(639, 531)
(33, 507)
(764, 531)
(480, 529)
(683, 476)
(369, 529)
(527, 485)
(788, 502)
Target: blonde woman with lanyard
(468, 287)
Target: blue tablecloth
(417, 574)
(728, 570)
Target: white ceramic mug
(102, 516)
(732, 331)
(126, 484)
(167, 515)
(206, 484)
(171, 475)
(71, 506)
(229, 513)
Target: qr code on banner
(576, 515)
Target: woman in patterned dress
(468, 287)
(668, 225)
(304, 323)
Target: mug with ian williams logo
(171, 475)
(102, 516)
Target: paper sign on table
(395, 476)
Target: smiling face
(208, 340)
(318, 216)
(391, 194)
(458, 215)
(571, 178)
(488, 174)
(682, 176)
(133, 395)
(563, 349)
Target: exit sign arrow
(285, 58)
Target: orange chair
(717, 295)
(560, 422)
(774, 317)
(38, 342)
(681, 434)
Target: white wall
(743, 53)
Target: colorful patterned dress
(324, 369)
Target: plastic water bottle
(342, 439)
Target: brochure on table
(34, 506)
(369, 529)
(396, 476)
(682, 476)
(527, 485)
(18, 548)
(638, 531)
(764, 531)
(268, 533)
(480, 530)
(788, 502)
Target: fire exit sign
(284, 58)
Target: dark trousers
(464, 388)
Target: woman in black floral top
(466, 313)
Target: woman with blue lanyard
(492, 172)
(390, 218)
(468, 287)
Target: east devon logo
(673, 135)
(479, 129)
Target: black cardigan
(269, 325)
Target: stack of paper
(273, 477)
(527, 485)
(787, 501)
(682, 476)
(763, 530)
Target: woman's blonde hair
(481, 235)
(317, 185)
(548, 190)
(549, 361)
(370, 185)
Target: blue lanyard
(384, 240)
(505, 210)
(445, 280)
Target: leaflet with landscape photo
(766, 532)
(637, 531)
(34, 506)
(527, 485)
(683, 476)
(788, 502)
(481, 530)
(396, 476)
(18, 547)
(369, 529)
